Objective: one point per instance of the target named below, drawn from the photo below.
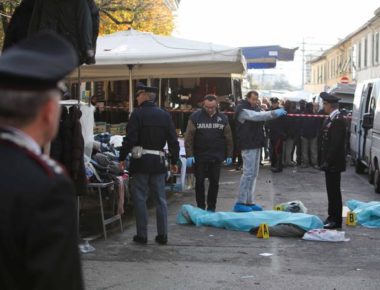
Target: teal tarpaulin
(367, 213)
(246, 221)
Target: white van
(365, 130)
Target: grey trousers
(142, 185)
(309, 145)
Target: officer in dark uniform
(208, 141)
(333, 159)
(38, 228)
(276, 133)
(148, 130)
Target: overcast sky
(273, 22)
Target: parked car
(365, 130)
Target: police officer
(38, 229)
(208, 140)
(333, 159)
(250, 137)
(148, 130)
(276, 133)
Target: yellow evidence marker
(263, 231)
(278, 207)
(351, 218)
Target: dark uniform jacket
(333, 144)
(208, 138)
(276, 128)
(76, 20)
(250, 134)
(38, 228)
(150, 127)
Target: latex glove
(229, 161)
(280, 112)
(190, 161)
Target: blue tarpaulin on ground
(367, 213)
(262, 57)
(247, 220)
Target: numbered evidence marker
(263, 231)
(278, 207)
(351, 218)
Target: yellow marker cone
(263, 231)
(278, 207)
(351, 218)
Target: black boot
(161, 239)
(140, 240)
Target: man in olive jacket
(208, 141)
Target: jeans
(288, 149)
(210, 170)
(141, 186)
(251, 161)
(309, 146)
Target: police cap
(274, 100)
(143, 88)
(37, 63)
(329, 98)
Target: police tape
(288, 115)
(307, 115)
(314, 116)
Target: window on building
(334, 68)
(373, 49)
(359, 55)
(322, 73)
(366, 52)
(377, 47)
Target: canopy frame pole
(79, 85)
(130, 67)
(159, 92)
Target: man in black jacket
(148, 130)
(333, 159)
(250, 137)
(208, 141)
(38, 229)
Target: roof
(344, 89)
(261, 57)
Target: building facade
(172, 4)
(354, 59)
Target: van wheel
(371, 174)
(359, 167)
(377, 181)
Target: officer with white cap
(333, 159)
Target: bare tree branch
(110, 16)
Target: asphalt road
(211, 258)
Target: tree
(143, 15)
(6, 10)
(115, 15)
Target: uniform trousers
(210, 170)
(142, 185)
(334, 196)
